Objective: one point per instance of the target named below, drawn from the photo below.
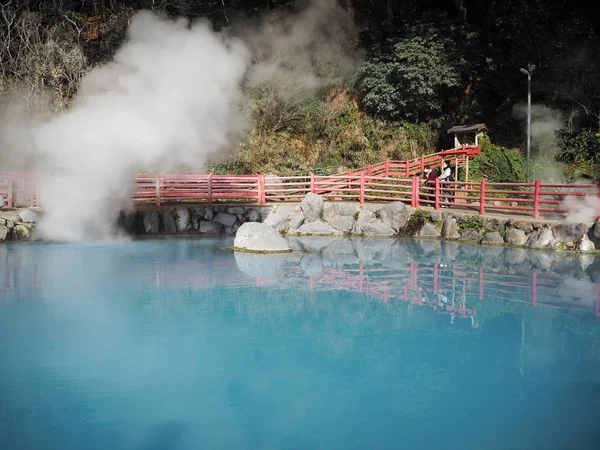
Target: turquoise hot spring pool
(343, 344)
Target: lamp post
(530, 69)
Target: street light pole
(530, 68)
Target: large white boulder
(259, 237)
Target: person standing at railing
(429, 177)
(446, 177)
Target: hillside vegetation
(423, 67)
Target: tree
(409, 81)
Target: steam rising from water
(169, 99)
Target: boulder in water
(260, 238)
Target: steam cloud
(581, 209)
(169, 99)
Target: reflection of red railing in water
(408, 284)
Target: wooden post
(262, 195)
(536, 199)
(362, 188)
(437, 193)
(422, 163)
(482, 197)
(407, 168)
(369, 170)
(387, 167)
(10, 199)
(415, 192)
(210, 187)
(158, 190)
(312, 182)
(467, 170)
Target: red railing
(525, 198)
(394, 168)
(19, 189)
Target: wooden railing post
(415, 192)
(387, 167)
(437, 193)
(312, 182)
(10, 200)
(407, 168)
(262, 195)
(210, 176)
(362, 188)
(422, 163)
(536, 199)
(482, 197)
(158, 190)
(369, 170)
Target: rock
(525, 226)
(259, 237)
(22, 232)
(585, 245)
(235, 210)
(296, 221)
(151, 222)
(372, 207)
(493, 237)
(347, 209)
(209, 227)
(253, 216)
(342, 223)
(169, 222)
(594, 234)
(3, 232)
(566, 234)
(395, 215)
(273, 220)
(364, 217)
(209, 213)
(329, 211)
(311, 207)
(183, 218)
(225, 219)
(471, 235)
(318, 228)
(240, 218)
(29, 216)
(377, 229)
(436, 216)
(284, 211)
(449, 229)
(541, 238)
(429, 230)
(515, 236)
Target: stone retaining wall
(314, 217)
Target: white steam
(545, 122)
(167, 99)
(170, 99)
(581, 209)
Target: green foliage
(416, 221)
(582, 147)
(497, 164)
(407, 82)
(474, 222)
